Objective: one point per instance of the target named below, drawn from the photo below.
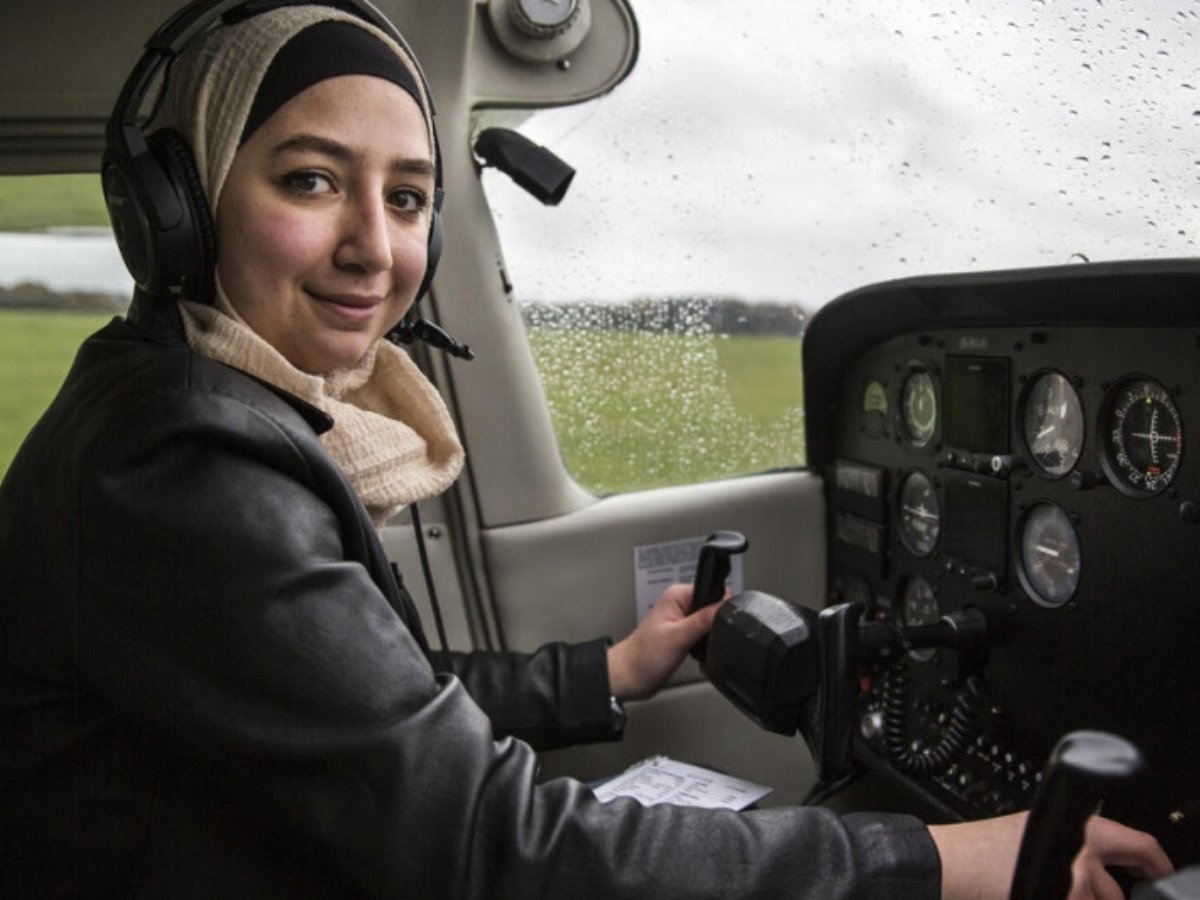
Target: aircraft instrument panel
(1025, 444)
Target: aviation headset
(160, 216)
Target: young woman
(212, 683)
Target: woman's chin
(330, 357)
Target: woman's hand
(1112, 844)
(640, 664)
(978, 858)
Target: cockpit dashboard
(1019, 443)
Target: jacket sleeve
(217, 610)
(554, 697)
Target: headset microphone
(412, 329)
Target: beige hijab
(392, 434)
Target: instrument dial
(1052, 424)
(1050, 557)
(920, 514)
(874, 408)
(1142, 437)
(920, 608)
(919, 407)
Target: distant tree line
(680, 315)
(676, 315)
(28, 295)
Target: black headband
(326, 50)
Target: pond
(78, 259)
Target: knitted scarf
(392, 435)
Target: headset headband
(198, 16)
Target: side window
(61, 279)
(666, 333)
(661, 362)
(659, 391)
(759, 163)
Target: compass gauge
(1142, 435)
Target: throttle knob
(1083, 768)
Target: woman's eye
(408, 200)
(308, 183)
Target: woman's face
(323, 221)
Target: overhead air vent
(540, 31)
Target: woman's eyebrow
(315, 143)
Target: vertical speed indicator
(1143, 437)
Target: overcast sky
(790, 151)
(787, 150)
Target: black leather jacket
(212, 686)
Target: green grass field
(639, 410)
(36, 350)
(632, 411)
(33, 202)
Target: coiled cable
(897, 691)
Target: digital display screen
(975, 395)
(976, 519)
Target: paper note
(663, 780)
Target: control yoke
(790, 669)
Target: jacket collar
(161, 321)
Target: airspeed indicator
(1052, 424)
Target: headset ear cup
(186, 256)
(126, 211)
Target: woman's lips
(356, 307)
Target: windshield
(785, 151)
(771, 156)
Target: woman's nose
(366, 237)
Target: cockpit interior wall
(1015, 442)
